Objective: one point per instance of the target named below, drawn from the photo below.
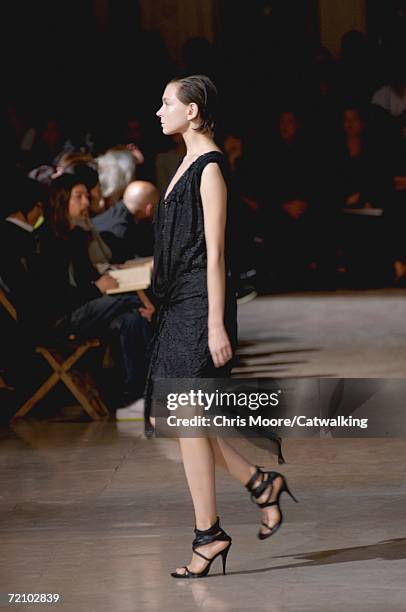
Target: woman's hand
(219, 345)
(136, 153)
(147, 309)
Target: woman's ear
(193, 111)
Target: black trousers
(116, 319)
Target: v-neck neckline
(166, 197)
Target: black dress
(180, 343)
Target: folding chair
(80, 384)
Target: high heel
(257, 491)
(214, 534)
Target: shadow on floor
(279, 352)
(246, 365)
(388, 550)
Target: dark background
(86, 61)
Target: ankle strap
(207, 536)
(213, 530)
(254, 478)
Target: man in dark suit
(126, 226)
(19, 267)
(21, 280)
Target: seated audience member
(71, 163)
(23, 283)
(291, 230)
(362, 172)
(126, 226)
(397, 213)
(116, 170)
(99, 252)
(362, 184)
(245, 197)
(77, 293)
(19, 267)
(76, 163)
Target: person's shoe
(245, 294)
(260, 485)
(133, 412)
(214, 534)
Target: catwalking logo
(339, 421)
(253, 401)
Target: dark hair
(200, 90)
(87, 174)
(58, 212)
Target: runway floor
(101, 515)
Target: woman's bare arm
(214, 199)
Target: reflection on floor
(101, 515)
(341, 334)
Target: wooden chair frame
(79, 384)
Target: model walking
(196, 331)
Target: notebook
(132, 275)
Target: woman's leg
(199, 464)
(242, 470)
(231, 460)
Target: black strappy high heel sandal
(258, 490)
(214, 534)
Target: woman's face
(173, 113)
(78, 207)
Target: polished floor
(343, 333)
(101, 515)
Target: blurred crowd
(317, 164)
(316, 148)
